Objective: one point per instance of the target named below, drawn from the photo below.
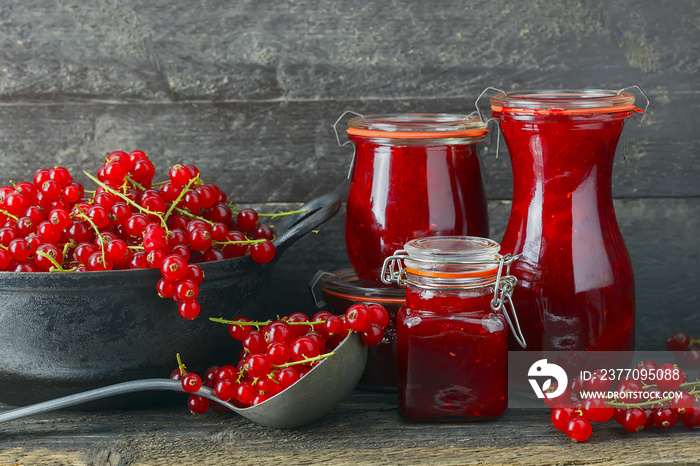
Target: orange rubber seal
(566, 111)
(430, 273)
(366, 299)
(369, 133)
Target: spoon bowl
(314, 395)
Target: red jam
(340, 290)
(452, 346)
(576, 286)
(413, 176)
(453, 358)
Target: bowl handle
(317, 212)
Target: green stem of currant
(56, 266)
(180, 365)
(126, 199)
(305, 361)
(248, 241)
(7, 214)
(133, 183)
(184, 191)
(191, 215)
(283, 214)
(84, 216)
(258, 325)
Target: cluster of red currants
(685, 348)
(129, 222)
(661, 396)
(276, 354)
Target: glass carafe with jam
(575, 281)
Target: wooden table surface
(367, 428)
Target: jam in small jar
(452, 332)
(414, 175)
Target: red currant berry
(262, 252)
(254, 342)
(61, 175)
(48, 232)
(195, 273)
(335, 325)
(142, 171)
(247, 219)
(287, 377)
(19, 249)
(186, 290)
(257, 365)
(596, 410)
(139, 260)
(191, 383)
(239, 332)
(174, 268)
(44, 263)
(304, 347)
(180, 175)
(634, 420)
(378, 315)
(197, 404)
(166, 288)
(373, 336)
(278, 353)
(199, 239)
(245, 393)
(225, 389)
(358, 318)
(189, 309)
(562, 415)
(665, 417)
(678, 342)
(278, 331)
(98, 262)
(579, 429)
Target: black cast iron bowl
(63, 333)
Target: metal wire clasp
(490, 120)
(393, 270)
(341, 144)
(503, 291)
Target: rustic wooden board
(275, 152)
(365, 429)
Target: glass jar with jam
(341, 289)
(575, 280)
(452, 333)
(413, 175)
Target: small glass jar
(414, 175)
(340, 290)
(452, 332)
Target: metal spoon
(314, 395)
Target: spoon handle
(104, 392)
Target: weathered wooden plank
(660, 234)
(276, 152)
(319, 49)
(365, 429)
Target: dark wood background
(249, 90)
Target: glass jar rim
(452, 257)
(345, 284)
(417, 126)
(565, 101)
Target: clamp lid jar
(452, 332)
(413, 175)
